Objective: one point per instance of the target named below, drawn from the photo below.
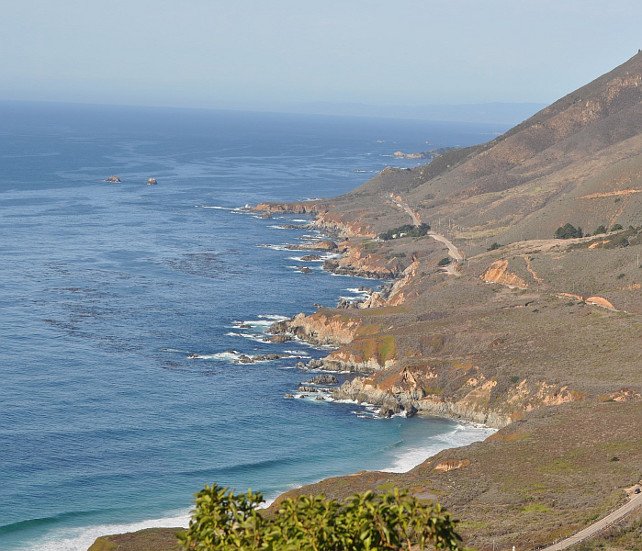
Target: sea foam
(80, 539)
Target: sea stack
(113, 179)
(151, 182)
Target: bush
(616, 227)
(391, 521)
(600, 229)
(568, 231)
(494, 246)
(444, 261)
(407, 230)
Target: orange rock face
(451, 465)
(498, 273)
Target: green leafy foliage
(568, 231)
(368, 522)
(494, 246)
(600, 229)
(616, 227)
(444, 261)
(407, 230)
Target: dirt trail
(397, 200)
(453, 251)
(593, 529)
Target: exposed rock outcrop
(323, 379)
(359, 262)
(498, 273)
(319, 328)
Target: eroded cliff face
(455, 391)
(304, 207)
(498, 272)
(365, 353)
(343, 225)
(320, 328)
(358, 261)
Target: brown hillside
(578, 160)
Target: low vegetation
(568, 231)
(368, 521)
(407, 230)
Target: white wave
(300, 259)
(461, 435)
(273, 317)
(215, 207)
(252, 336)
(276, 247)
(80, 539)
(300, 220)
(357, 291)
(264, 322)
(227, 356)
(298, 353)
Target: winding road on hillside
(593, 529)
(453, 251)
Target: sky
(266, 54)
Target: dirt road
(397, 200)
(453, 251)
(596, 527)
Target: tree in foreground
(368, 521)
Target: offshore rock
(324, 245)
(151, 182)
(113, 179)
(324, 379)
(279, 339)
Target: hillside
(492, 320)
(578, 160)
(521, 329)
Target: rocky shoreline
(330, 327)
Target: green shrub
(600, 229)
(407, 230)
(369, 521)
(568, 231)
(444, 261)
(494, 246)
(616, 227)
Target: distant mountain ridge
(578, 160)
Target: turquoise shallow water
(106, 424)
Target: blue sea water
(106, 424)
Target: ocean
(106, 422)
